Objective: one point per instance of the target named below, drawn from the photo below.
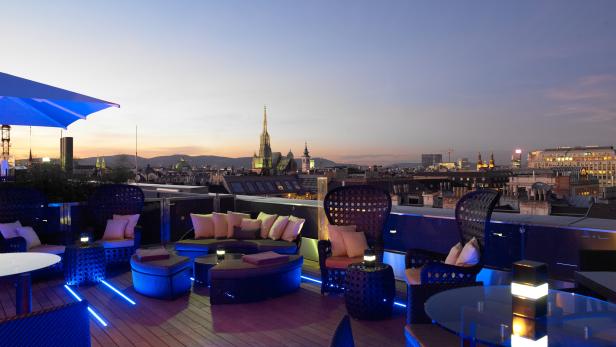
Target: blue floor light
(92, 312)
(131, 301)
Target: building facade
(597, 161)
(431, 159)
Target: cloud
(588, 99)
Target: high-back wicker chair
(110, 199)
(25, 205)
(473, 213)
(366, 207)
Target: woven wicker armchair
(110, 199)
(27, 206)
(473, 213)
(366, 207)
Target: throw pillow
(454, 253)
(129, 232)
(267, 220)
(203, 225)
(32, 239)
(220, 225)
(234, 219)
(293, 228)
(470, 254)
(335, 237)
(9, 230)
(250, 224)
(115, 229)
(245, 234)
(277, 228)
(355, 243)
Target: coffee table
(369, 291)
(21, 264)
(484, 315)
(84, 264)
(203, 264)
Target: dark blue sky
(361, 81)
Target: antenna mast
(136, 166)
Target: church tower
(306, 159)
(262, 163)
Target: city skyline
(362, 83)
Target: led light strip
(92, 312)
(314, 280)
(131, 301)
(529, 292)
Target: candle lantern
(220, 254)
(529, 289)
(369, 257)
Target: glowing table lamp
(369, 258)
(84, 239)
(529, 298)
(220, 254)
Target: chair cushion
(197, 245)
(131, 219)
(32, 239)
(277, 246)
(267, 220)
(355, 243)
(116, 243)
(335, 237)
(265, 258)
(220, 224)
(293, 228)
(9, 230)
(236, 268)
(413, 275)
(341, 262)
(470, 254)
(115, 229)
(51, 249)
(234, 219)
(277, 228)
(144, 254)
(454, 253)
(163, 267)
(203, 225)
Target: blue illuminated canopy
(25, 102)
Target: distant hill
(199, 161)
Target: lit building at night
(268, 162)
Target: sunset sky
(361, 81)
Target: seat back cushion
(203, 225)
(234, 219)
(355, 243)
(129, 231)
(454, 253)
(32, 239)
(9, 230)
(115, 229)
(267, 220)
(470, 254)
(293, 228)
(335, 237)
(278, 227)
(220, 225)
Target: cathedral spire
(264, 119)
(306, 154)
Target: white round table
(22, 264)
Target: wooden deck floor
(304, 318)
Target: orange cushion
(203, 225)
(129, 231)
(355, 243)
(335, 237)
(234, 219)
(413, 275)
(342, 262)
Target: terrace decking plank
(302, 318)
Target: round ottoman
(162, 279)
(84, 264)
(369, 291)
(202, 266)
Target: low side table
(84, 264)
(202, 266)
(369, 291)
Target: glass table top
(484, 313)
